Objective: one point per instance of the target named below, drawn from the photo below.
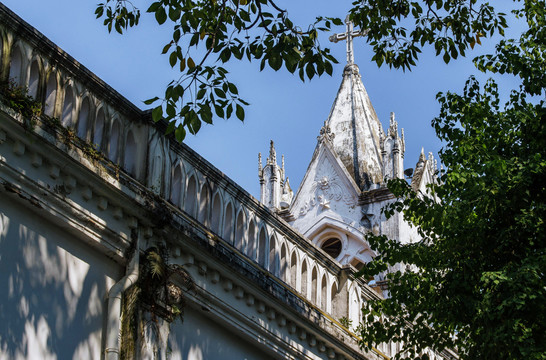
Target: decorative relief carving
(326, 133)
(326, 188)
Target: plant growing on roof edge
(157, 287)
(16, 97)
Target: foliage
(17, 98)
(475, 281)
(157, 287)
(399, 29)
(257, 30)
(347, 323)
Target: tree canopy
(208, 33)
(475, 281)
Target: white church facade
(103, 248)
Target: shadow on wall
(53, 286)
(201, 338)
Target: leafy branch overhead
(399, 29)
(256, 30)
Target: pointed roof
(357, 130)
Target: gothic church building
(106, 248)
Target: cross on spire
(348, 35)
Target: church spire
(354, 122)
(275, 192)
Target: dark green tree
(475, 282)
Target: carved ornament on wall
(326, 188)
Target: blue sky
(282, 109)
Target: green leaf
(160, 15)
(190, 63)
(225, 55)
(219, 111)
(328, 68)
(151, 101)
(174, 13)
(176, 35)
(173, 59)
(219, 93)
(275, 62)
(171, 126)
(180, 134)
(206, 116)
(170, 109)
(166, 48)
(310, 71)
(229, 111)
(99, 11)
(233, 88)
(201, 94)
(240, 112)
(153, 7)
(157, 113)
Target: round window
(332, 247)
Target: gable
(327, 188)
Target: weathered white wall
(200, 338)
(52, 300)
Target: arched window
(323, 293)
(176, 186)
(228, 223)
(130, 156)
(216, 214)
(83, 118)
(333, 307)
(272, 253)
(354, 307)
(191, 196)
(240, 231)
(98, 129)
(113, 144)
(293, 269)
(16, 66)
(332, 247)
(314, 285)
(262, 250)
(68, 106)
(204, 204)
(251, 246)
(304, 275)
(34, 79)
(51, 94)
(284, 263)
